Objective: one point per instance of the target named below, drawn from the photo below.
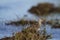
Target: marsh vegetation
(32, 32)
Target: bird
(40, 20)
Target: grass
(21, 22)
(44, 9)
(54, 23)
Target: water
(6, 31)
(15, 9)
(54, 32)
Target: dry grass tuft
(31, 33)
